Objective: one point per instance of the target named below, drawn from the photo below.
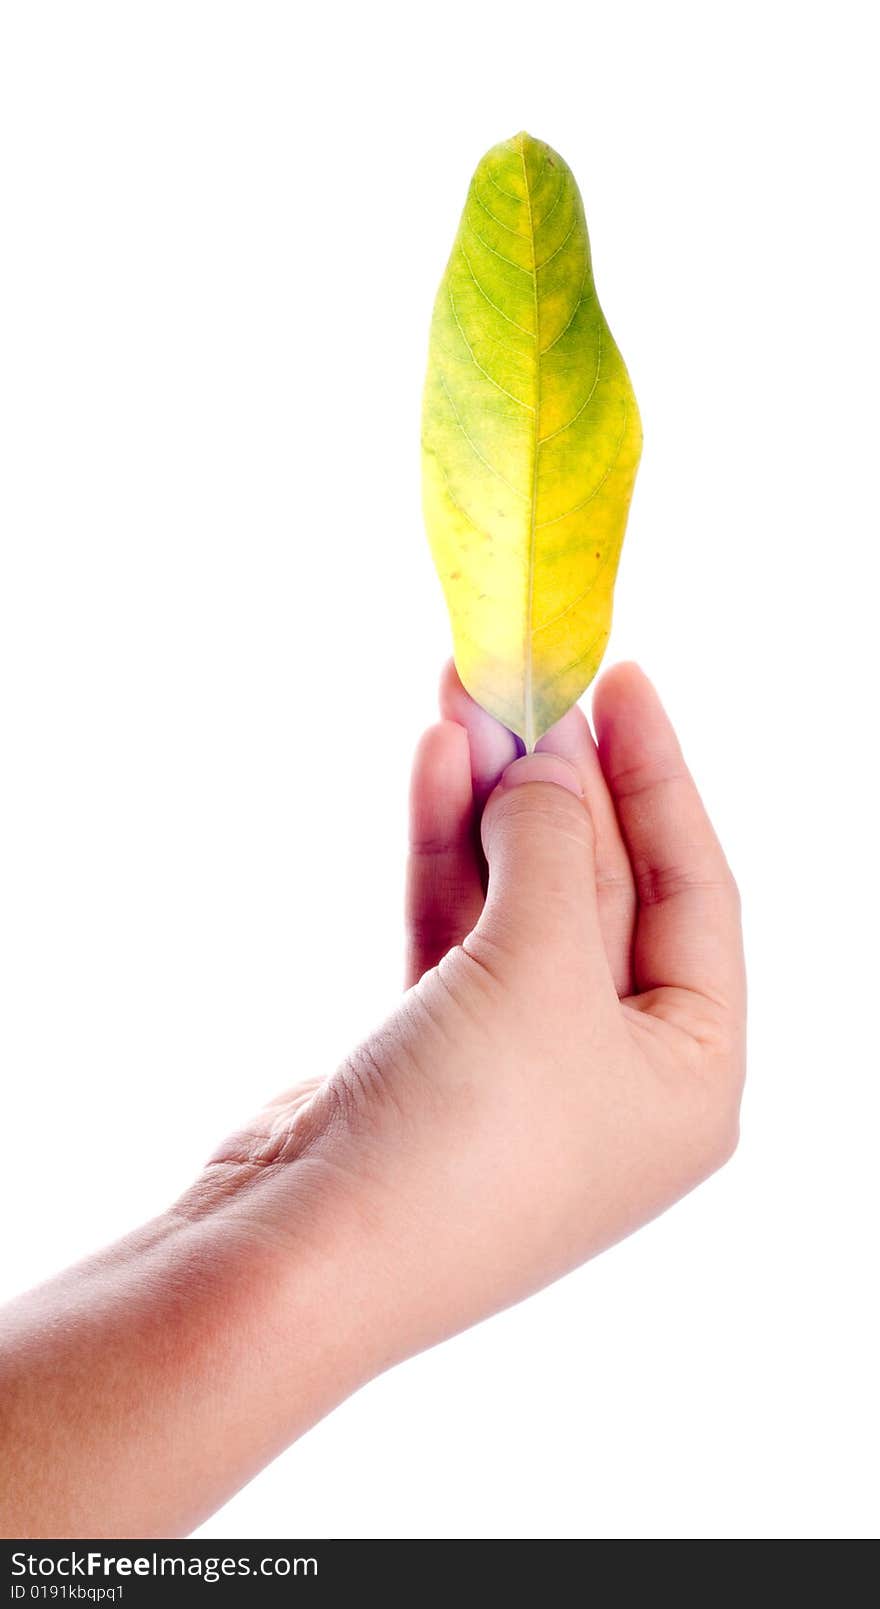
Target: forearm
(139, 1390)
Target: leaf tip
(524, 142)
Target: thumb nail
(543, 768)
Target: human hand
(569, 1059)
(567, 1062)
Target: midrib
(528, 698)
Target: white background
(219, 637)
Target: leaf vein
(501, 191)
(581, 298)
(475, 449)
(554, 619)
(499, 254)
(559, 248)
(557, 675)
(485, 294)
(556, 200)
(542, 526)
(495, 219)
(480, 529)
(477, 365)
(587, 399)
(528, 681)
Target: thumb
(539, 842)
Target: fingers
(492, 746)
(457, 765)
(541, 908)
(571, 737)
(688, 927)
(443, 891)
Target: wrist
(283, 1253)
(141, 1389)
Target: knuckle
(724, 1139)
(645, 778)
(721, 1121)
(657, 884)
(358, 1087)
(545, 804)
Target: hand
(570, 1057)
(567, 1063)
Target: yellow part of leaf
(531, 441)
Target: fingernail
(543, 768)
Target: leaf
(531, 441)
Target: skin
(567, 1062)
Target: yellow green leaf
(531, 441)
